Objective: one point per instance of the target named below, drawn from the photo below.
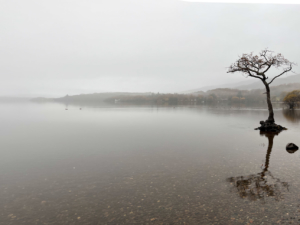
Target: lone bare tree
(257, 65)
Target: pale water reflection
(141, 165)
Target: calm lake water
(146, 165)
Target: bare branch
(269, 66)
(264, 52)
(285, 71)
(257, 65)
(251, 75)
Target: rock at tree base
(291, 148)
(266, 126)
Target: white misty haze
(54, 48)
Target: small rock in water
(291, 148)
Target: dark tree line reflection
(292, 115)
(261, 185)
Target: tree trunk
(270, 146)
(270, 107)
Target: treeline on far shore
(216, 95)
(278, 94)
(184, 98)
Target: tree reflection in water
(262, 185)
(292, 115)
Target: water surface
(146, 165)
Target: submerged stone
(291, 148)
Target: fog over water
(127, 165)
(111, 157)
(54, 48)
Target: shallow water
(146, 165)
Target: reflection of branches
(291, 115)
(261, 185)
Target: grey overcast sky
(58, 47)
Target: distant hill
(258, 84)
(230, 85)
(277, 92)
(250, 83)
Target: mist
(54, 48)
